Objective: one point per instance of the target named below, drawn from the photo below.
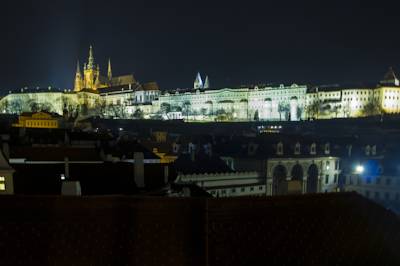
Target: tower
(390, 78)
(198, 82)
(206, 83)
(109, 72)
(90, 71)
(78, 78)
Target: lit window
(2, 183)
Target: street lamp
(359, 169)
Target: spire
(390, 78)
(78, 68)
(206, 83)
(97, 82)
(78, 78)
(109, 73)
(90, 64)
(198, 82)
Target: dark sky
(234, 43)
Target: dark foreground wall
(333, 229)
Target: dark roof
(201, 164)
(320, 229)
(50, 153)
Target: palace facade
(123, 97)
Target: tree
(256, 116)
(203, 111)
(314, 109)
(283, 108)
(138, 114)
(165, 108)
(117, 110)
(186, 108)
(372, 108)
(16, 106)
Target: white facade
(280, 103)
(227, 184)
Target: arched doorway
(312, 179)
(295, 185)
(279, 180)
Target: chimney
(138, 158)
(66, 167)
(6, 146)
(69, 188)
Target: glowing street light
(359, 169)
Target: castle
(93, 80)
(124, 97)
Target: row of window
(385, 195)
(234, 190)
(377, 181)
(41, 123)
(335, 179)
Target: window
(260, 188)
(326, 179)
(368, 180)
(367, 193)
(251, 188)
(242, 189)
(337, 165)
(2, 183)
(387, 196)
(378, 180)
(377, 195)
(388, 181)
(335, 178)
(233, 190)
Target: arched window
(279, 148)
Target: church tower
(78, 78)
(206, 83)
(109, 72)
(198, 82)
(90, 71)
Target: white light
(62, 177)
(120, 129)
(359, 169)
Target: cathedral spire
(78, 68)
(91, 64)
(78, 78)
(198, 82)
(109, 73)
(206, 83)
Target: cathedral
(93, 80)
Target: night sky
(317, 42)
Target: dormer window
(368, 150)
(327, 148)
(297, 148)
(279, 148)
(313, 149)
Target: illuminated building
(38, 120)
(123, 97)
(297, 174)
(93, 80)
